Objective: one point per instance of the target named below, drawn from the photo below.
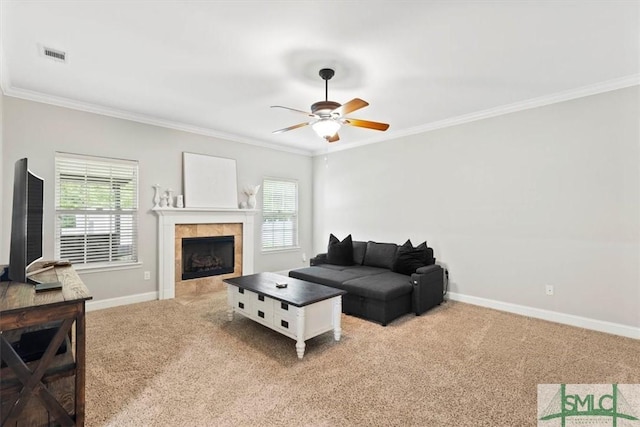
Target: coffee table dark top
(297, 293)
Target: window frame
(111, 218)
(295, 215)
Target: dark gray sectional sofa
(374, 290)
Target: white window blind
(279, 214)
(96, 210)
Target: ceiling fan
(330, 116)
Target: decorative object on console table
(156, 196)
(250, 191)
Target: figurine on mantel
(169, 198)
(156, 196)
(164, 201)
(250, 191)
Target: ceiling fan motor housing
(324, 108)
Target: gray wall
(509, 204)
(37, 131)
(2, 249)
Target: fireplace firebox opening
(207, 256)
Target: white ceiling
(215, 67)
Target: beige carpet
(165, 363)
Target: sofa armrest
(428, 288)
(427, 268)
(319, 259)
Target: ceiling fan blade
(294, 110)
(367, 124)
(353, 105)
(299, 125)
(333, 138)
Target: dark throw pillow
(359, 249)
(340, 253)
(409, 259)
(380, 255)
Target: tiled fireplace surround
(176, 223)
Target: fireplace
(177, 224)
(207, 256)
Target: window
(96, 210)
(279, 214)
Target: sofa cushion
(340, 252)
(335, 267)
(324, 276)
(365, 270)
(359, 249)
(380, 254)
(409, 259)
(384, 286)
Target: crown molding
(141, 118)
(607, 86)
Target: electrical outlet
(304, 257)
(548, 290)
(147, 275)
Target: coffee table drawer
(286, 325)
(243, 301)
(284, 310)
(263, 302)
(262, 311)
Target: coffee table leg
(230, 301)
(300, 345)
(337, 312)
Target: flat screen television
(26, 222)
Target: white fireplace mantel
(168, 218)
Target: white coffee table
(300, 311)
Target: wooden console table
(28, 392)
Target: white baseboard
(115, 302)
(552, 316)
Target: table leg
(300, 345)
(230, 301)
(337, 313)
(80, 364)
(31, 380)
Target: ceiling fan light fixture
(326, 128)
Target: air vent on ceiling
(57, 55)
